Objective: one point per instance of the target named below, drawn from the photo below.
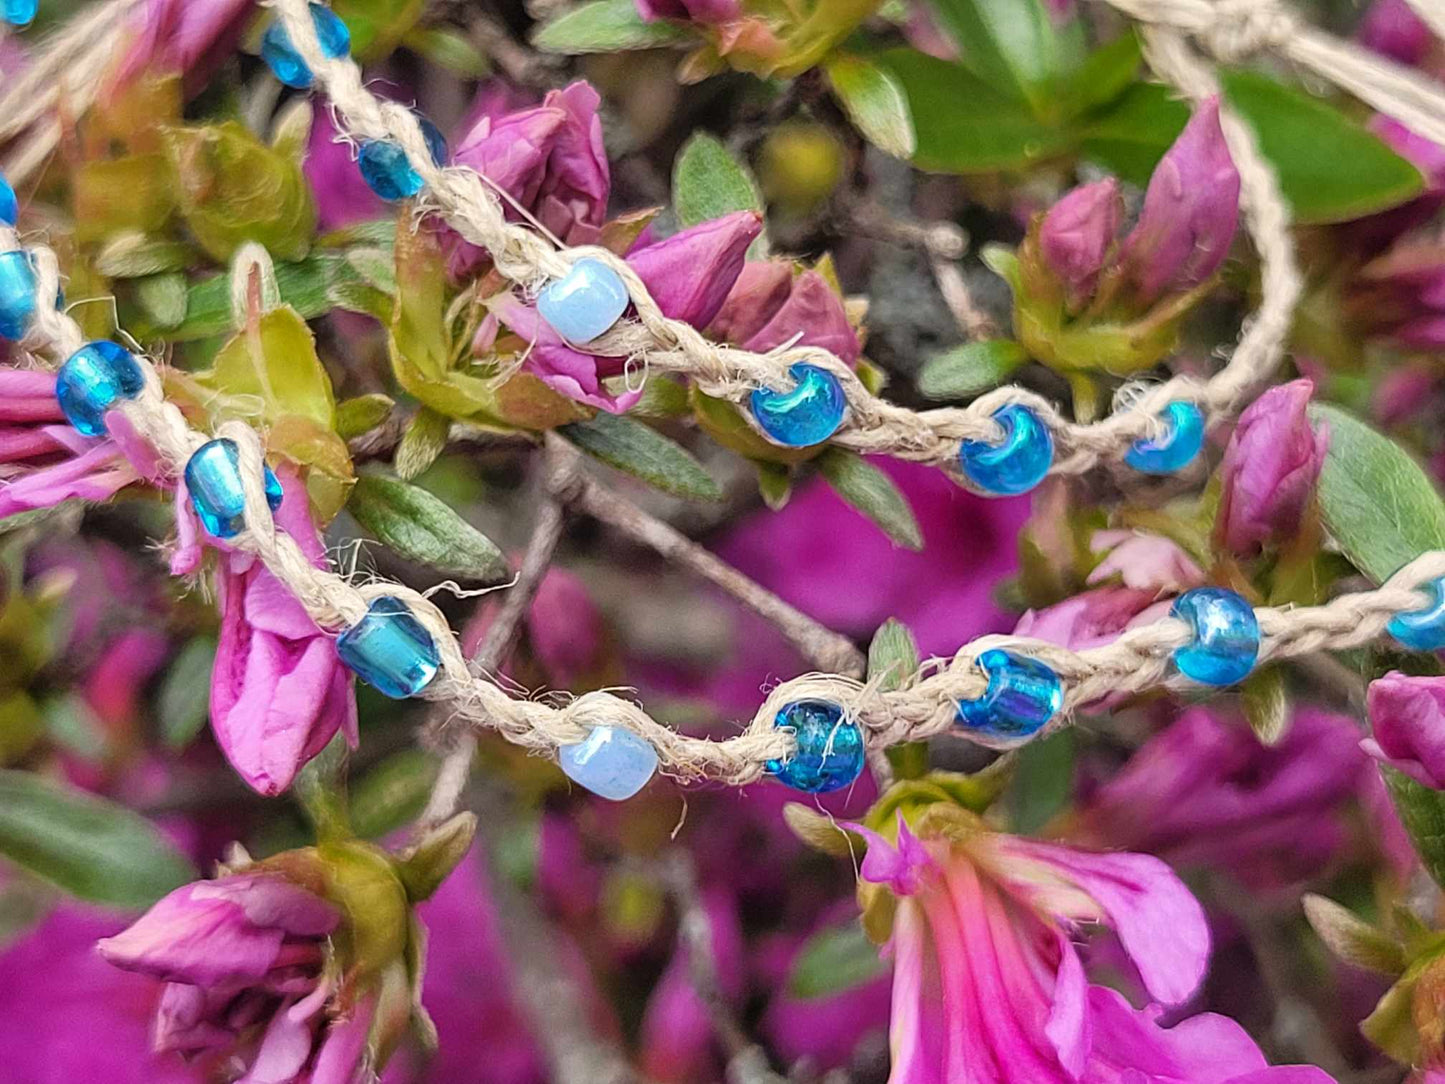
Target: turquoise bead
(286, 63)
(1177, 448)
(94, 379)
(385, 168)
(17, 294)
(20, 12)
(9, 206)
(808, 414)
(611, 762)
(830, 747)
(1226, 636)
(1022, 696)
(390, 650)
(1422, 630)
(584, 302)
(213, 479)
(1015, 464)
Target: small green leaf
(362, 414)
(1422, 812)
(662, 397)
(184, 700)
(1132, 134)
(708, 182)
(834, 959)
(820, 831)
(90, 847)
(132, 254)
(425, 439)
(392, 793)
(1351, 938)
(1042, 781)
(775, 483)
(377, 25)
(1012, 44)
(605, 26)
(1265, 700)
(421, 528)
(892, 656)
(1105, 73)
(449, 49)
(163, 297)
(875, 103)
(872, 493)
(970, 369)
(644, 453)
(1376, 502)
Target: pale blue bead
(384, 165)
(1225, 644)
(390, 650)
(830, 747)
(1023, 694)
(584, 302)
(94, 379)
(9, 206)
(1177, 448)
(611, 762)
(213, 480)
(286, 63)
(20, 12)
(808, 414)
(17, 294)
(1015, 464)
(1422, 630)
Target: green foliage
(970, 369)
(875, 102)
(377, 25)
(183, 703)
(709, 182)
(1013, 45)
(1422, 812)
(643, 452)
(605, 26)
(892, 656)
(835, 959)
(420, 527)
(867, 489)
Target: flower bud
(1075, 235)
(699, 11)
(1391, 28)
(1407, 716)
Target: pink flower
(700, 11)
(1407, 715)
(688, 274)
(178, 36)
(1401, 297)
(1270, 469)
(988, 986)
(769, 305)
(1391, 28)
(43, 460)
(1144, 562)
(1092, 618)
(343, 198)
(1076, 235)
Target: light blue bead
(1177, 448)
(808, 414)
(385, 168)
(1015, 464)
(20, 12)
(1226, 636)
(584, 302)
(1422, 630)
(9, 206)
(830, 747)
(17, 294)
(286, 63)
(611, 762)
(213, 479)
(94, 379)
(390, 650)
(1022, 696)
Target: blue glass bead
(1018, 462)
(807, 415)
(611, 762)
(1226, 636)
(20, 12)
(585, 302)
(213, 479)
(390, 650)
(830, 747)
(1177, 448)
(286, 63)
(92, 380)
(17, 294)
(9, 205)
(385, 168)
(1422, 630)
(1022, 696)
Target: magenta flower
(1407, 715)
(1091, 618)
(550, 160)
(1391, 28)
(1270, 468)
(43, 460)
(343, 197)
(180, 37)
(1401, 297)
(688, 274)
(1147, 562)
(769, 305)
(699, 11)
(1076, 235)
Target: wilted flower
(1391, 28)
(1407, 715)
(1270, 469)
(1076, 235)
(688, 274)
(771, 304)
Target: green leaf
(834, 959)
(1011, 44)
(362, 414)
(644, 453)
(377, 25)
(1132, 134)
(963, 124)
(606, 26)
(92, 848)
(875, 103)
(1105, 73)
(1042, 781)
(425, 439)
(892, 656)
(1422, 812)
(708, 182)
(421, 528)
(1376, 502)
(872, 493)
(392, 793)
(449, 49)
(775, 483)
(970, 369)
(1351, 938)
(1265, 700)
(132, 254)
(183, 703)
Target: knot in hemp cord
(1241, 28)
